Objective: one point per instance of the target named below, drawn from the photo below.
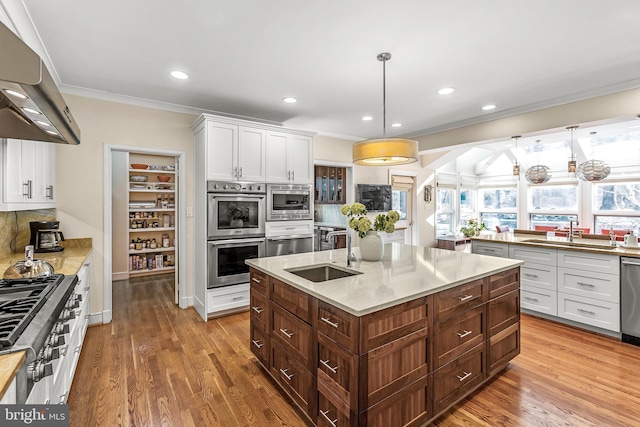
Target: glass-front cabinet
(330, 184)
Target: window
(467, 206)
(616, 206)
(498, 206)
(445, 211)
(553, 205)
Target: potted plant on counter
(473, 228)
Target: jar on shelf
(165, 240)
(153, 244)
(132, 245)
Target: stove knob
(226, 187)
(216, 186)
(238, 187)
(56, 340)
(251, 188)
(61, 328)
(50, 353)
(38, 370)
(79, 297)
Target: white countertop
(404, 274)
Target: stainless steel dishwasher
(630, 296)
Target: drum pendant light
(593, 170)
(538, 174)
(571, 164)
(385, 151)
(516, 166)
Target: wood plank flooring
(157, 365)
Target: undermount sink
(322, 272)
(606, 247)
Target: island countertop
(404, 274)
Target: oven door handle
(234, 195)
(235, 241)
(293, 236)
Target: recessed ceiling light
(447, 90)
(16, 94)
(367, 118)
(488, 107)
(396, 125)
(289, 100)
(181, 75)
(32, 111)
(41, 123)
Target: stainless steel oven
(226, 260)
(235, 209)
(289, 202)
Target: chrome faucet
(570, 235)
(350, 256)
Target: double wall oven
(235, 230)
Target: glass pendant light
(516, 166)
(385, 151)
(538, 174)
(593, 170)
(571, 165)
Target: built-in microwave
(289, 202)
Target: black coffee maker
(46, 236)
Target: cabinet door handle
(289, 175)
(329, 367)
(589, 285)
(326, 320)
(581, 310)
(240, 171)
(293, 175)
(465, 298)
(235, 172)
(255, 280)
(25, 189)
(257, 309)
(464, 376)
(257, 343)
(284, 372)
(286, 332)
(464, 333)
(30, 189)
(488, 250)
(530, 275)
(334, 423)
(531, 299)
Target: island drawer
(598, 263)
(459, 377)
(459, 299)
(333, 414)
(292, 299)
(293, 333)
(540, 276)
(259, 281)
(536, 255)
(337, 324)
(490, 248)
(458, 334)
(411, 406)
(540, 300)
(602, 286)
(260, 344)
(259, 305)
(295, 379)
(503, 347)
(504, 282)
(602, 314)
(382, 327)
(337, 370)
(503, 312)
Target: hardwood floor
(157, 365)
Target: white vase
(371, 247)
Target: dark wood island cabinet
(402, 365)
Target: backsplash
(8, 229)
(329, 214)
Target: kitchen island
(398, 343)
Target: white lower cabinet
(589, 284)
(538, 278)
(540, 300)
(489, 248)
(598, 313)
(221, 300)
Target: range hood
(31, 106)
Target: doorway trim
(414, 201)
(107, 311)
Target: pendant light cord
(384, 97)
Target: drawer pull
(287, 376)
(329, 367)
(238, 298)
(286, 332)
(530, 275)
(257, 343)
(464, 333)
(464, 376)
(589, 285)
(257, 309)
(488, 250)
(255, 280)
(581, 310)
(334, 423)
(465, 298)
(531, 299)
(325, 320)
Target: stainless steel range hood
(31, 106)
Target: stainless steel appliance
(630, 300)
(323, 243)
(289, 202)
(235, 209)
(235, 230)
(46, 236)
(226, 260)
(34, 317)
(287, 245)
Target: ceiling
(244, 57)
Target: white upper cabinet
(27, 175)
(289, 158)
(235, 153)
